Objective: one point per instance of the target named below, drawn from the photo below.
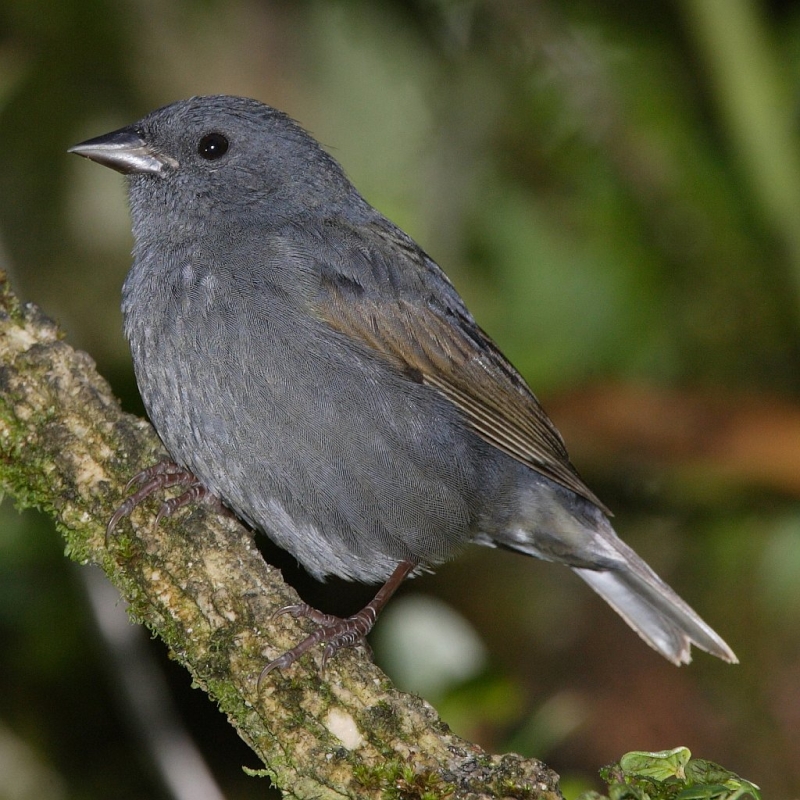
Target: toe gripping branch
(336, 632)
(160, 476)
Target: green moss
(8, 300)
(381, 723)
(258, 773)
(226, 696)
(121, 546)
(23, 475)
(220, 645)
(400, 781)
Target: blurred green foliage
(614, 187)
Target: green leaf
(660, 765)
(701, 771)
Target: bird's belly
(342, 461)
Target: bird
(307, 365)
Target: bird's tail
(654, 610)
(562, 528)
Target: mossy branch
(200, 583)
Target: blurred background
(614, 187)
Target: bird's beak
(125, 151)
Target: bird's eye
(212, 146)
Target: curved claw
(290, 656)
(129, 504)
(125, 509)
(162, 475)
(296, 610)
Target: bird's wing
(398, 302)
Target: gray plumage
(315, 369)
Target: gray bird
(306, 363)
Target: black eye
(212, 146)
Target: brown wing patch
(468, 369)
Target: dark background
(614, 187)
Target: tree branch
(200, 583)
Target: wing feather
(399, 303)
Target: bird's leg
(336, 632)
(161, 476)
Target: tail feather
(655, 612)
(558, 526)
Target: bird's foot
(336, 632)
(163, 475)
